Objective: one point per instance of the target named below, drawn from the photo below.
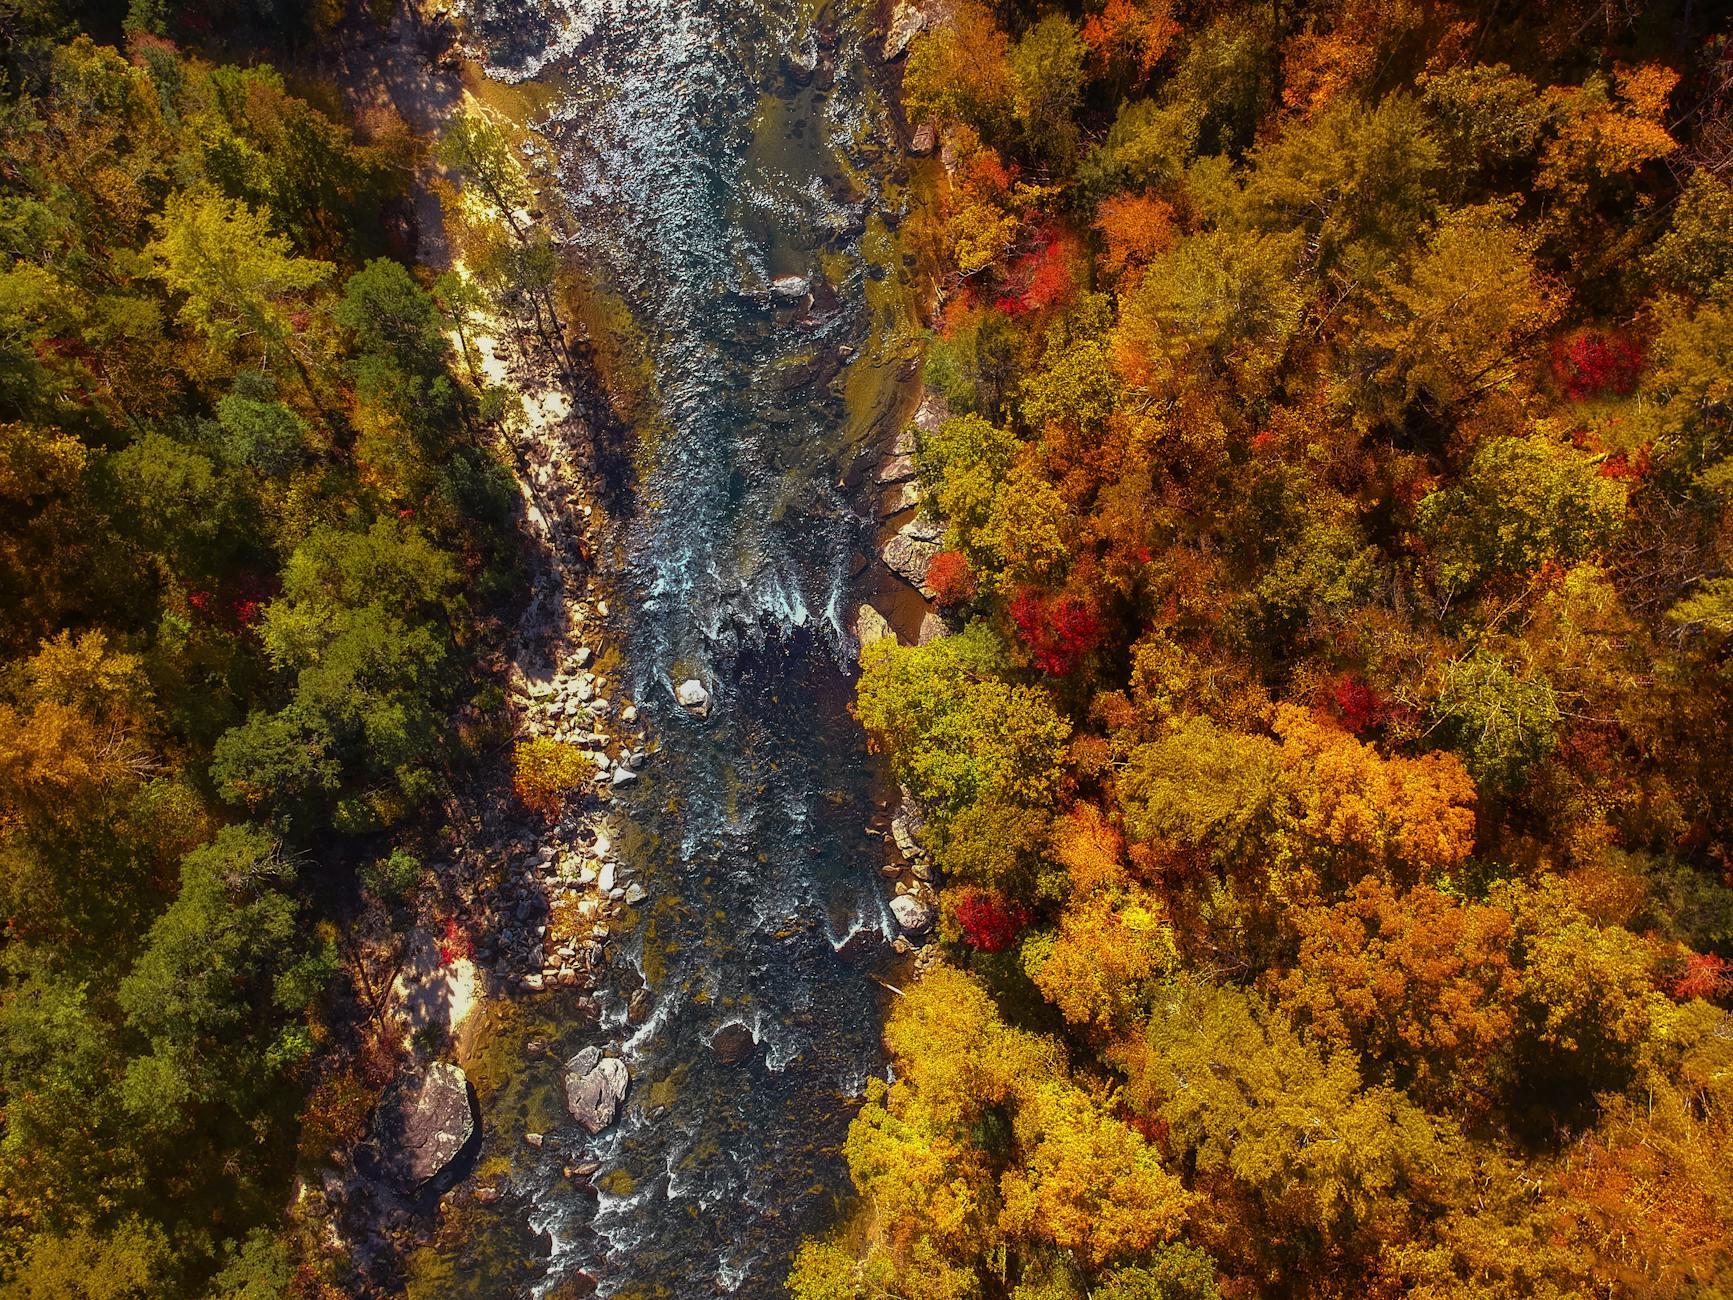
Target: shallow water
(699, 162)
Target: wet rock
(733, 1044)
(912, 914)
(638, 1009)
(896, 469)
(908, 557)
(692, 696)
(595, 1087)
(533, 982)
(907, 20)
(871, 626)
(791, 286)
(898, 498)
(424, 1124)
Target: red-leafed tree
(951, 579)
(1058, 631)
(989, 921)
(1590, 363)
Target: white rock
(791, 286)
(692, 695)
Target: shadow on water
(711, 154)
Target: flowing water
(705, 148)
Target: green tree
(1522, 503)
(958, 733)
(1500, 721)
(238, 279)
(1047, 76)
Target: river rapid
(708, 154)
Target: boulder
(925, 140)
(595, 1087)
(906, 825)
(871, 626)
(692, 696)
(923, 528)
(791, 286)
(908, 557)
(912, 914)
(733, 1044)
(932, 628)
(424, 1125)
(906, 22)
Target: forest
(252, 528)
(1328, 768)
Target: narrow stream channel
(710, 152)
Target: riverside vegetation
(258, 527)
(1328, 771)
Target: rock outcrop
(424, 1125)
(595, 1087)
(907, 20)
(909, 557)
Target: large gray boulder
(595, 1087)
(871, 626)
(912, 914)
(425, 1125)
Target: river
(705, 151)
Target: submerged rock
(595, 1087)
(733, 1044)
(912, 914)
(423, 1127)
